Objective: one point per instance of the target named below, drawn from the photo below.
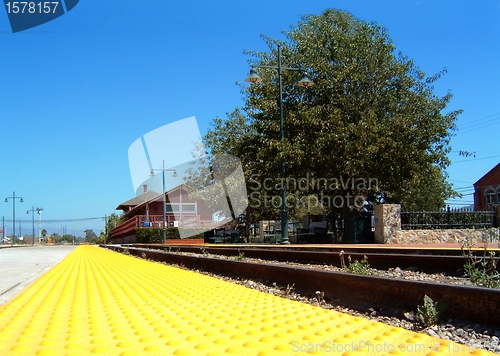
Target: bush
(155, 235)
(149, 235)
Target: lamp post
(13, 197)
(39, 212)
(304, 82)
(163, 169)
(32, 211)
(3, 229)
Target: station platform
(96, 301)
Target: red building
(487, 190)
(146, 210)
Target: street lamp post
(32, 211)
(163, 169)
(304, 82)
(13, 197)
(39, 212)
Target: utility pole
(13, 197)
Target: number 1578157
(31, 7)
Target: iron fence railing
(448, 219)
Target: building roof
(138, 200)
(154, 197)
(483, 178)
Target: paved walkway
(20, 266)
(101, 302)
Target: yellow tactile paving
(101, 302)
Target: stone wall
(445, 236)
(387, 222)
(388, 231)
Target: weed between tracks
(240, 257)
(429, 312)
(482, 270)
(359, 267)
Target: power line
(59, 220)
(464, 190)
(460, 181)
(466, 187)
(478, 128)
(479, 123)
(475, 159)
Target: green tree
(428, 191)
(90, 236)
(56, 238)
(237, 136)
(112, 221)
(372, 116)
(102, 238)
(68, 238)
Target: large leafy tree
(90, 236)
(371, 117)
(69, 238)
(112, 221)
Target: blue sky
(77, 91)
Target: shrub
(149, 235)
(155, 235)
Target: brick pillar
(387, 222)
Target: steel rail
(449, 264)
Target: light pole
(3, 229)
(163, 169)
(32, 211)
(13, 197)
(304, 82)
(39, 212)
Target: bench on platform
(236, 236)
(274, 235)
(219, 236)
(316, 233)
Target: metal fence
(448, 219)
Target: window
(186, 208)
(189, 208)
(172, 208)
(490, 196)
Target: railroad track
(480, 305)
(447, 261)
